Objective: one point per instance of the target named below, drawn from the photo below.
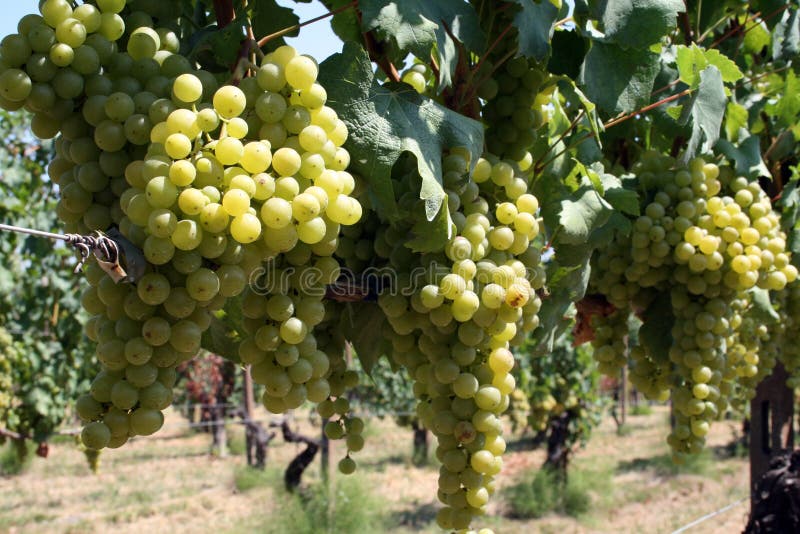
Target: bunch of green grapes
(453, 314)
(210, 202)
(519, 410)
(705, 236)
(8, 357)
(516, 106)
(515, 90)
(610, 341)
(208, 181)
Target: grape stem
(491, 47)
(264, 40)
(738, 28)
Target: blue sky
(316, 40)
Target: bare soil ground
(174, 485)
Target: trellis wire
(84, 244)
(708, 516)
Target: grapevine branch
(738, 28)
(560, 138)
(264, 40)
(676, 96)
(618, 120)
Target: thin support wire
(86, 245)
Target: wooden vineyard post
(771, 423)
(325, 454)
(623, 396)
(249, 401)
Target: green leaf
(569, 50)
(639, 23)
(767, 7)
(762, 308)
(362, 323)
(535, 22)
(344, 24)
(757, 37)
(224, 43)
(417, 25)
(619, 80)
(786, 37)
(728, 69)
(221, 339)
(676, 112)
(268, 17)
(575, 97)
(621, 198)
(690, 61)
(580, 215)
(568, 277)
(736, 118)
(432, 236)
(707, 111)
(655, 334)
(747, 156)
(386, 120)
(787, 107)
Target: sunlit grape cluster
(7, 359)
(452, 327)
(706, 238)
(208, 180)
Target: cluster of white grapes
(209, 181)
(452, 328)
(705, 237)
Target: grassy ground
(174, 485)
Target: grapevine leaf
(762, 308)
(386, 120)
(268, 17)
(707, 111)
(619, 80)
(575, 97)
(535, 22)
(691, 61)
(431, 236)
(767, 7)
(220, 338)
(417, 25)
(568, 277)
(640, 23)
(655, 333)
(344, 24)
(617, 224)
(757, 37)
(569, 50)
(729, 70)
(581, 214)
(620, 198)
(786, 37)
(224, 43)
(366, 333)
(747, 156)
(735, 119)
(787, 107)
